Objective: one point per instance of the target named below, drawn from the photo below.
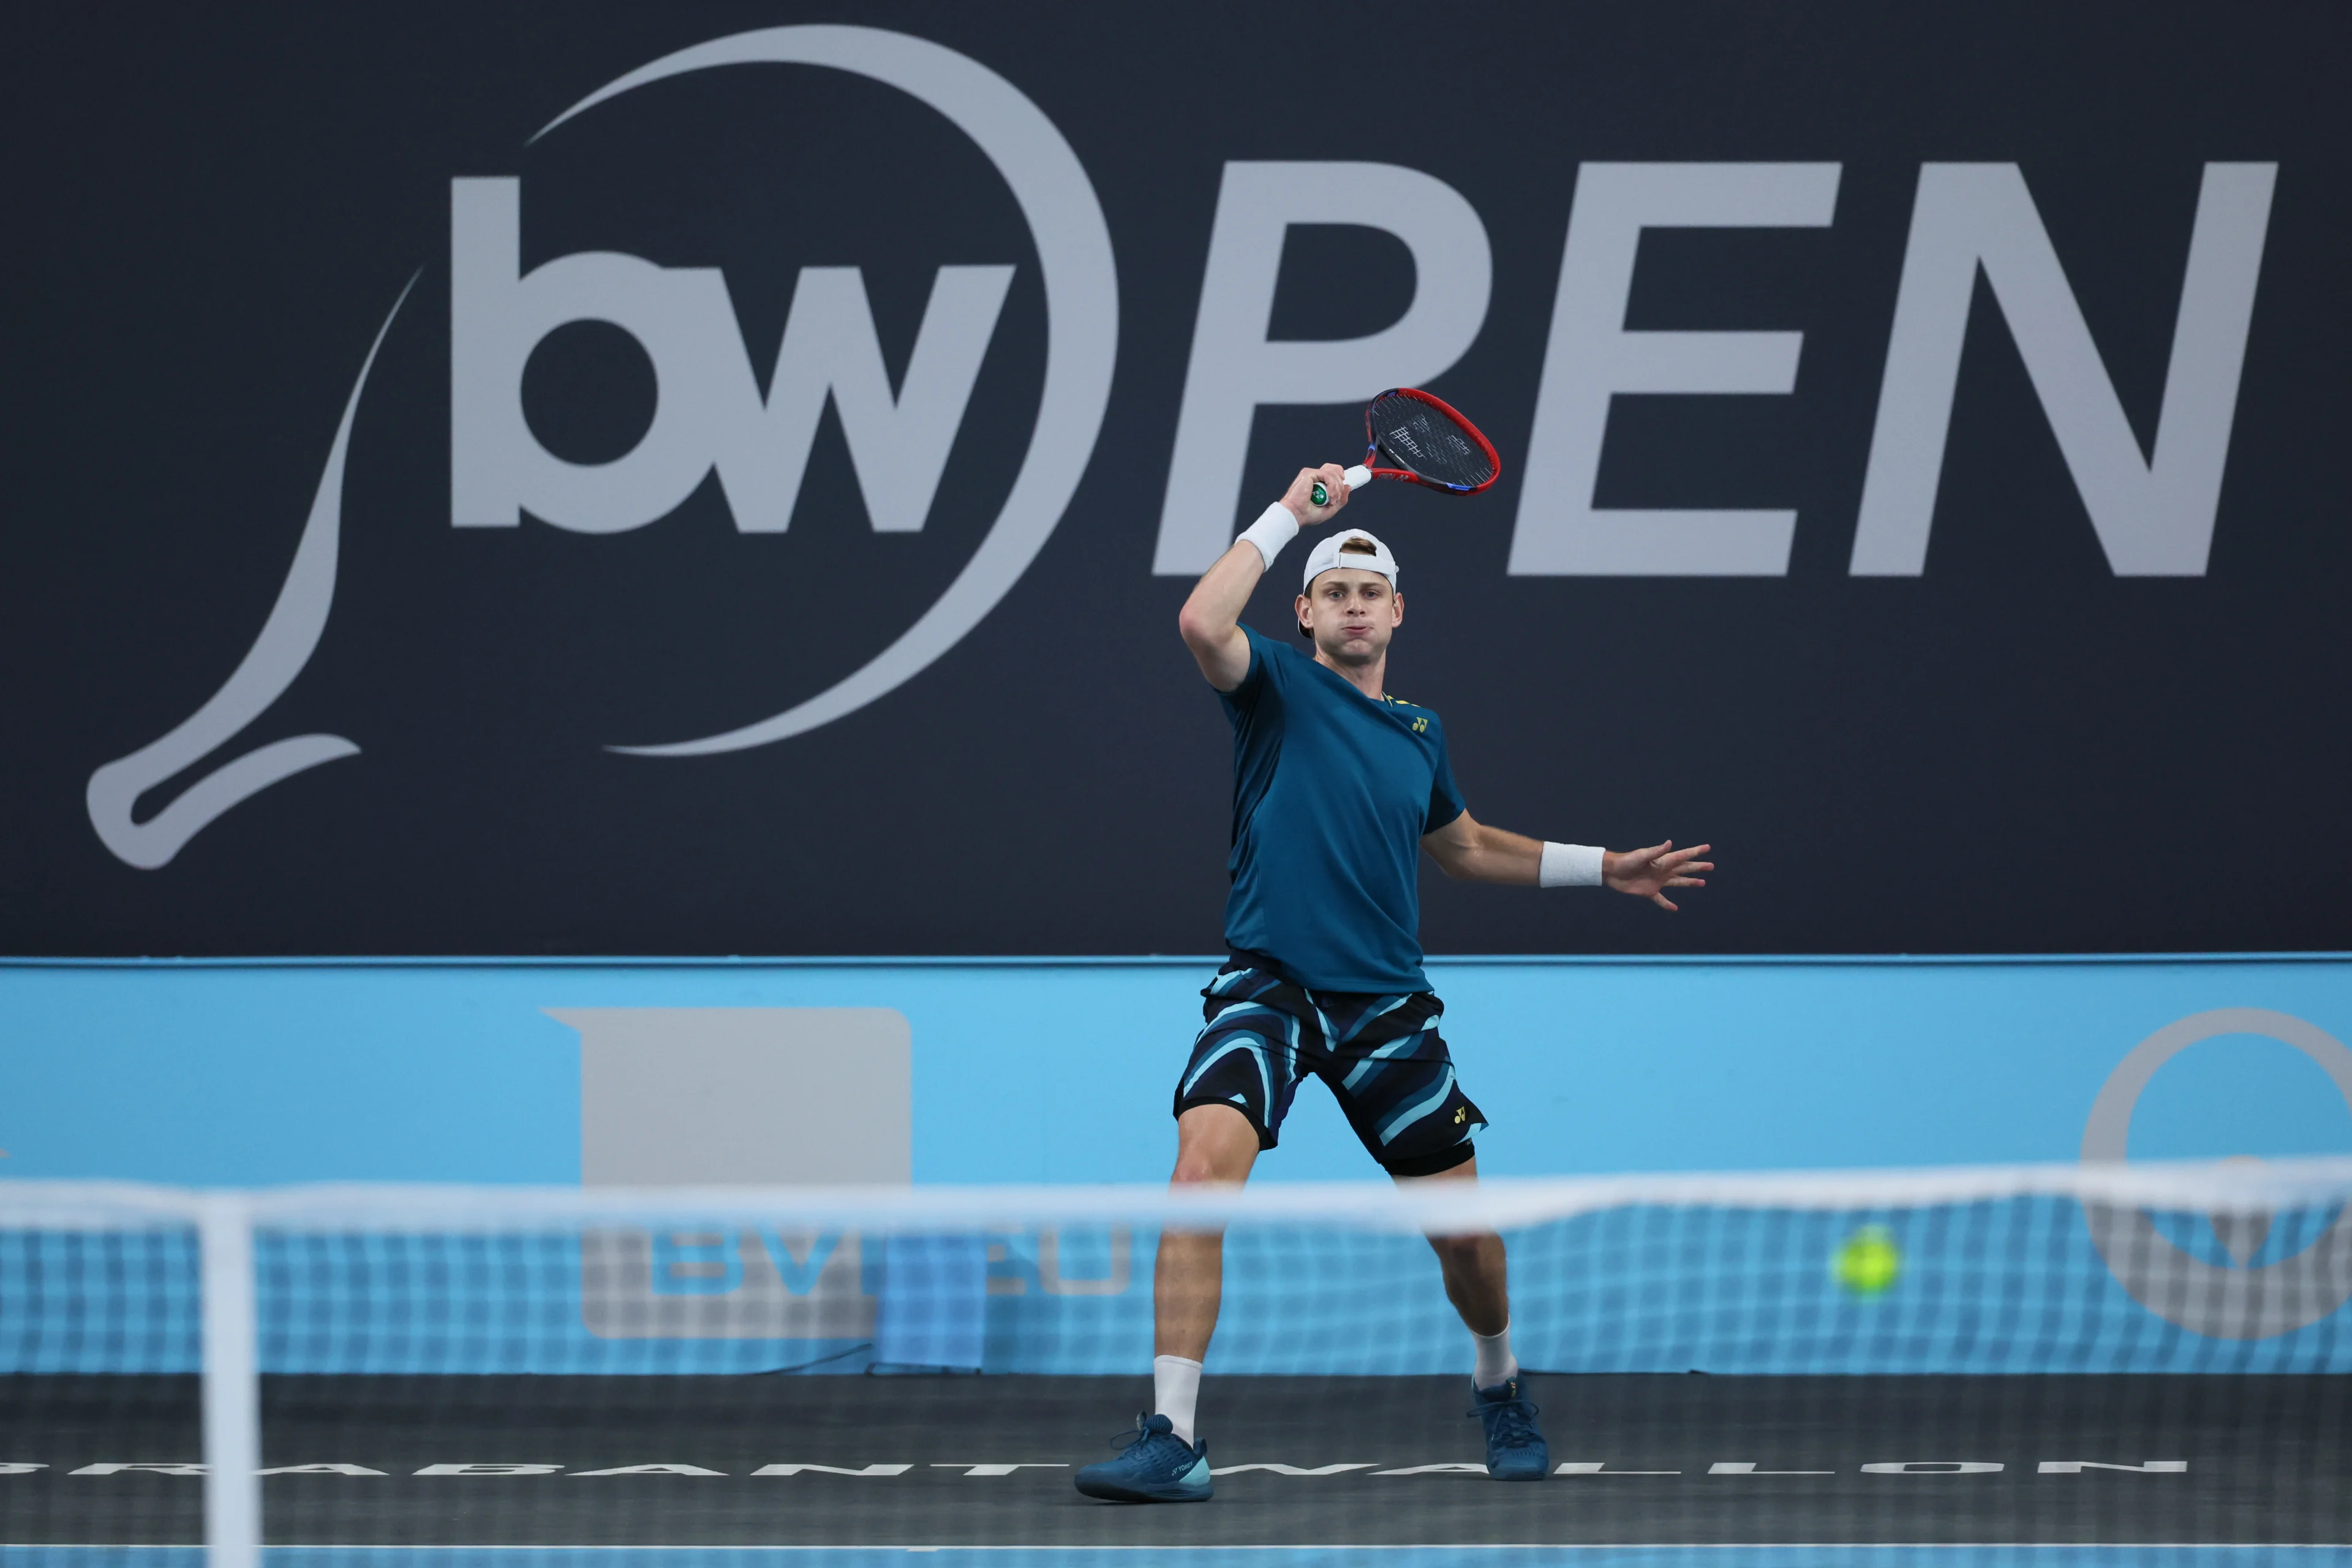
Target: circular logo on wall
(1081, 282)
(2238, 1300)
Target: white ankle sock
(1496, 1364)
(1175, 1390)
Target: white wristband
(1569, 865)
(1273, 528)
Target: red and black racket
(1422, 439)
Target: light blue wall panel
(251, 1074)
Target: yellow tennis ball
(1868, 1261)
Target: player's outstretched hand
(1300, 496)
(1648, 873)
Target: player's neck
(1372, 680)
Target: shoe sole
(1123, 1494)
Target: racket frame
(1373, 452)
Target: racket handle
(1356, 477)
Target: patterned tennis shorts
(1382, 1055)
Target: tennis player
(1338, 786)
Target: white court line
(1295, 1546)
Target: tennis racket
(1413, 436)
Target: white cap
(1326, 557)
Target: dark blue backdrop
(2017, 748)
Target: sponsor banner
(596, 481)
(658, 1074)
(713, 1285)
(671, 1074)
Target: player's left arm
(1469, 851)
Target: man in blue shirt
(1338, 788)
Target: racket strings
(1423, 441)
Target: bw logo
(711, 417)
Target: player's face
(1353, 613)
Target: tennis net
(2136, 1359)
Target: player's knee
(1193, 1166)
(1214, 1143)
(1201, 1162)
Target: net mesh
(2140, 1361)
(1422, 440)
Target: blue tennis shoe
(1515, 1451)
(1157, 1465)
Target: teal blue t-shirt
(1332, 792)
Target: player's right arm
(1211, 621)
